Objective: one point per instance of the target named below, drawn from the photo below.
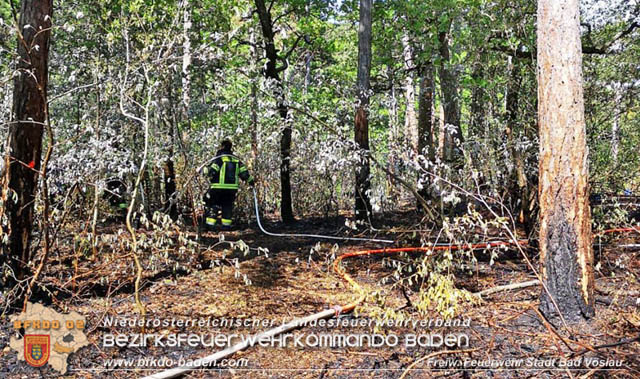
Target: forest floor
(214, 281)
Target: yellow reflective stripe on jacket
(213, 167)
(223, 173)
(224, 186)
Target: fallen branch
(508, 287)
(205, 362)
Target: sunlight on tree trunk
(565, 223)
(615, 128)
(363, 182)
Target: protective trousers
(219, 204)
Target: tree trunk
(393, 129)
(453, 131)
(186, 58)
(565, 221)
(363, 182)
(477, 109)
(25, 137)
(425, 124)
(513, 90)
(425, 106)
(410, 121)
(271, 71)
(170, 188)
(254, 99)
(615, 128)
(308, 60)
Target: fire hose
(337, 309)
(255, 203)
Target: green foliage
(107, 55)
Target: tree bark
(271, 71)
(453, 131)
(565, 221)
(363, 183)
(392, 134)
(513, 91)
(425, 106)
(410, 120)
(425, 124)
(615, 128)
(254, 99)
(478, 118)
(28, 116)
(170, 188)
(186, 58)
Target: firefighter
(223, 175)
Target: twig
(625, 341)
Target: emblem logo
(36, 349)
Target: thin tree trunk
(477, 108)
(307, 71)
(425, 116)
(513, 92)
(271, 71)
(186, 58)
(363, 182)
(425, 121)
(410, 121)
(441, 125)
(254, 98)
(615, 128)
(565, 221)
(448, 84)
(170, 187)
(393, 129)
(96, 192)
(25, 137)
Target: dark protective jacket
(225, 170)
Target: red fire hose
(338, 309)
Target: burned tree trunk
(272, 72)
(565, 223)
(28, 118)
(363, 183)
